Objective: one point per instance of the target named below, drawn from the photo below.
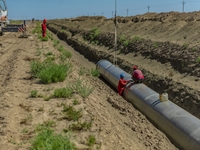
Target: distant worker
(137, 75)
(121, 84)
(44, 28)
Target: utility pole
(102, 13)
(112, 14)
(148, 8)
(115, 59)
(127, 12)
(183, 6)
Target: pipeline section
(182, 128)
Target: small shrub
(36, 67)
(34, 93)
(79, 126)
(64, 55)
(63, 93)
(72, 113)
(55, 43)
(82, 89)
(91, 140)
(76, 102)
(48, 140)
(54, 73)
(61, 48)
(155, 45)
(198, 59)
(136, 38)
(95, 73)
(126, 43)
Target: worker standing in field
(44, 28)
(137, 75)
(121, 84)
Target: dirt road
(116, 124)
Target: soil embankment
(165, 46)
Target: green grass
(198, 59)
(34, 93)
(48, 140)
(65, 55)
(53, 73)
(81, 88)
(79, 126)
(63, 93)
(71, 113)
(91, 140)
(95, 73)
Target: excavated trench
(182, 95)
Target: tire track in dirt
(7, 69)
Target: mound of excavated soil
(165, 46)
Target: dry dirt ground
(116, 124)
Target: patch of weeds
(45, 39)
(12, 141)
(193, 49)
(48, 140)
(126, 43)
(25, 130)
(47, 98)
(34, 93)
(198, 59)
(185, 45)
(95, 72)
(60, 104)
(136, 38)
(94, 33)
(76, 102)
(91, 140)
(63, 93)
(55, 43)
(79, 126)
(61, 48)
(71, 113)
(155, 45)
(26, 120)
(48, 54)
(36, 67)
(122, 39)
(82, 71)
(49, 123)
(54, 73)
(81, 88)
(64, 55)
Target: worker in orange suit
(44, 28)
(121, 84)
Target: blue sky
(49, 9)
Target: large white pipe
(181, 127)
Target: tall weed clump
(49, 72)
(54, 73)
